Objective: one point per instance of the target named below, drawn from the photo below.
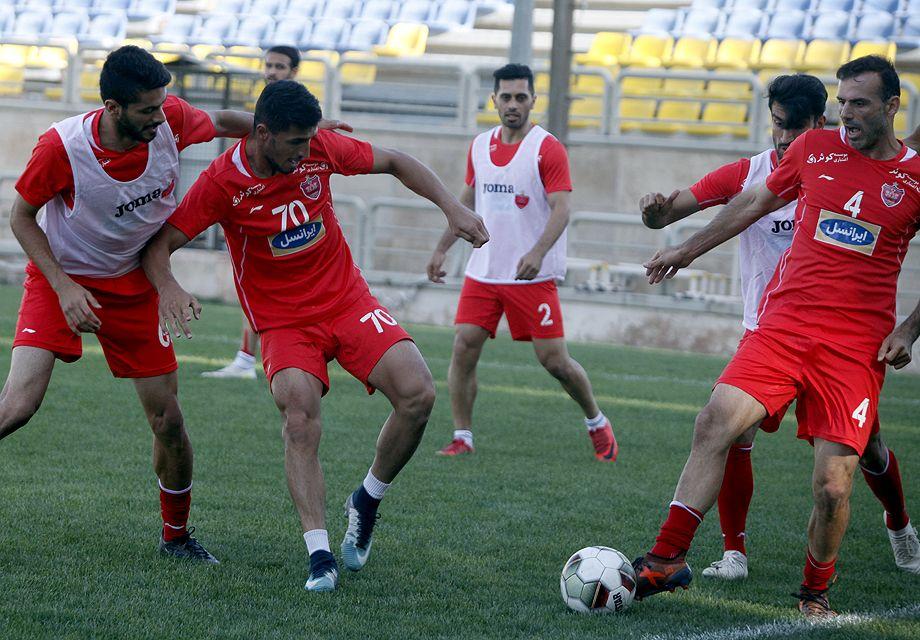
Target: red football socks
(887, 488)
(174, 507)
(817, 574)
(735, 497)
(677, 531)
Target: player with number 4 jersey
(302, 292)
(825, 325)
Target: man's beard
(128, 130)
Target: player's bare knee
(15, 412)
(556, 365)
(168, 425)
(301, 431)
(831, 493)
(416, 405)
(875, 456)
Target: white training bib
(763, 243)
(512, 202)
(111, 221)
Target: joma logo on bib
(497, 188)
(156, 194)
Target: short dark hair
(802, 97)
(513, 72)
(285, 104)
(891, 84)
(292, 54)
(129, 70)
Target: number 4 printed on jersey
(854, 203)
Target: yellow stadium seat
(734, 53)
(649, 51)
(683, 87)
(89, 85)
(249, 58)
(357, 73)
(780, 54)
(586, 112)
(912, 78)
(640, 86)
(205, 51)
(607, 49)
(728, 89)
(823, 56)
(869, 48)
(11, 80)
(673, 116)
(541, 83)
(14, 55)
(634, 111)
(404, 40)
(721, 118)
(692, 53)
(587, 84)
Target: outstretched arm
(76, 302)
(734, 218)
(659, 211)
(177, 307)
(896, 348)
(422, 180)
(435, 267)
(560, 209)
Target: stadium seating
(104, 31)
(147, 9)
(720, 118)
(67, 24)
(634, 112)
(107, 6)
(673, 116)
(874, 25)
(865, 48)
(909, 33)
(699, 23)
(419, 11)
(293, 31)
(378, 10)
(365, 35)
(832, 25)
(659, 22)
(824, 56)
(327, 34)
(235, 7)
(255, 30)
(885, 6)
(304, 8)
(692, 53)
(636, 86)
(214, 29)
(736, 53)
(176, 33)
(453, 14)
(730, 89)
(404, 40)
(608, 48)
(789, 25)
(649, 50)
(340, 9)
(30, 25)
(780, 54)
(826, 6)
(785, 6)
(743, 24)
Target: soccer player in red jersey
(304, 295)
(281, 63)
(825, 326)
(518, 179)
(796, 104)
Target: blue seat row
(899, 7)
(101, 29)
(134, 9)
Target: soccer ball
(599, 580)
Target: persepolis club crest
(892, 194)
(521, 200)
(311, 187)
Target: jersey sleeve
(189, 124)
(349, 156)
(48, 171)
(470, 172)
(721, 185)
(199, 208)
(786, 179)
(554, 166)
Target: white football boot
(732, 566)
(906, 548)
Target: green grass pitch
(466, 548)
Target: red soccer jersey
(723, 184)
(553, 162)
(291, 263)
(854, 220)
(48, 172)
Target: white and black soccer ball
(598, 580)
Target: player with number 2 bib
(302, 292)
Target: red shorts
(771, 423)
(836, 392)
(357, 337)
(532, 309)
(130, 335)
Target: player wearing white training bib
(518, 181)
(796, 105)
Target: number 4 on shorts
(859, 414)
